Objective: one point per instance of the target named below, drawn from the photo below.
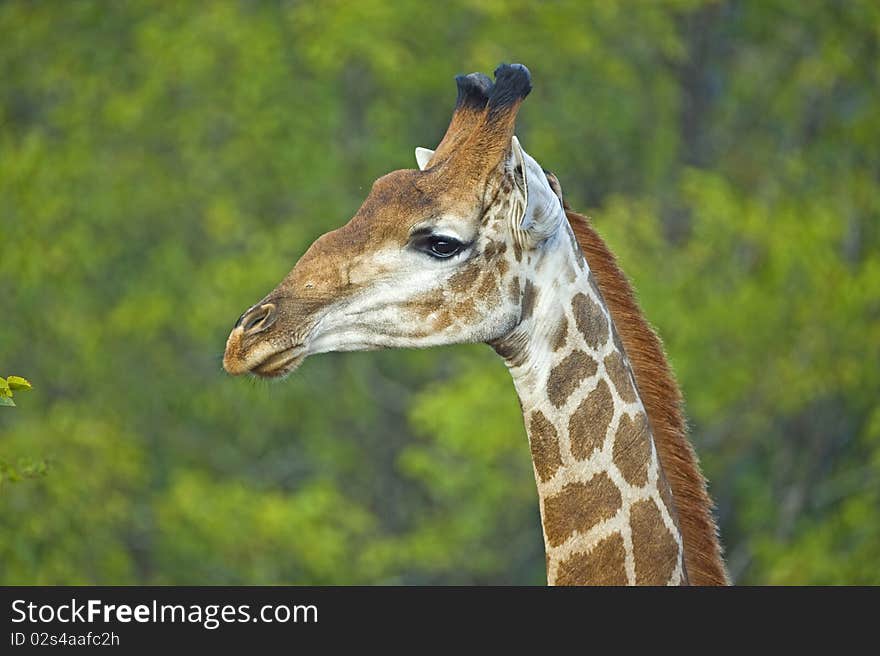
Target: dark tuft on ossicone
(513, 82)
(473, 91)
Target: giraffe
(478, 245)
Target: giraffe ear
(543, 213)
(423, 156)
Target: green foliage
(163, 166)
(24, 468)
(9, 386)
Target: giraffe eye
(445, 247)
(437, 246)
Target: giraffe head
(437, 255)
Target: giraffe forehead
(404, 200)
(396, 202)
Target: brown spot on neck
(589, 422)
(632, 449)
(567, 375)
(654, 547)
(618, 371)
(557, 341)
(667, 501)
(666, 496)
(604, 564)
(590, 320)
(579, 507)
(544, 444)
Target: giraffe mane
(663, 403)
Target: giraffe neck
(606, 509)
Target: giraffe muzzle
(259, 343)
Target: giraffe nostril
(258, 319)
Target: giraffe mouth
(280, 363)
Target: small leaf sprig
(10, 385)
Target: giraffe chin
(280, 364)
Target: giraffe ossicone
(475, 246)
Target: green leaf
(4, 386)
(18, 383)
(6, 400)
